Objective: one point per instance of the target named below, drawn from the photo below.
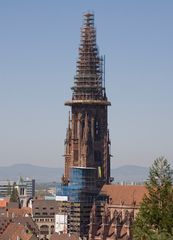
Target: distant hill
(128, 173)
(40, 174)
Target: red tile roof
(4, 222)
(15, 230)
(27, 221)
(3, 203)
(63, 236)
(125, 194)
(15, 212)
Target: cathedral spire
(87, 143)
(88, 82)
(87, 152)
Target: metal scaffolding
(88, 84)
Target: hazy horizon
(62, 167)
(38, 52)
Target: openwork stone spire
(88, 84)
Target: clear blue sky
(38, 51)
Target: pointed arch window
(97, 130)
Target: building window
(75, 155)
(97, 130)
(52, 229)
(21, 191)
(37, 213)
(44, 230)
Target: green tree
(14, 197)
(155, 217)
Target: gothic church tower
(87, 139)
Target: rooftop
(125, 194)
